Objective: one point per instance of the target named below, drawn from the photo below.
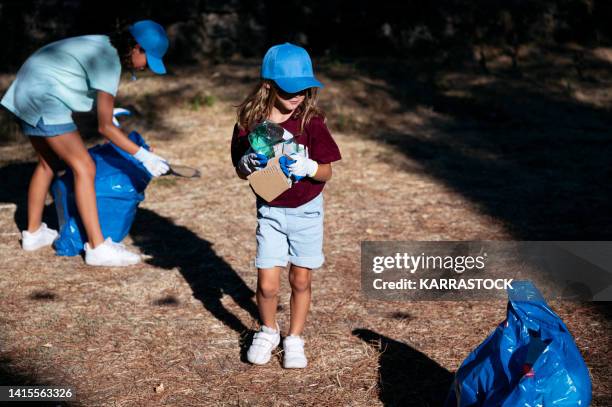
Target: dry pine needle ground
(427, 155)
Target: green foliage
(199, 100)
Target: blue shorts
(46, 130)
(290, 235)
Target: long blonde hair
(258, 105)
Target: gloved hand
(251, 162)
(284, 163)
(303, 167)
(152, 162)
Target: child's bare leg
(300, 279)
(70, 148)
(268, 286)
(48, 163)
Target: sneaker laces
(263, 339)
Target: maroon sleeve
(323, 149)
(240, 144)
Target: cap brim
(156, 64)
(294, 85)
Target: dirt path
(182, 318)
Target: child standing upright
(67, 76)
(290, 228)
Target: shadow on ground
(170, 246)
(15, 179)
(523, 148)
(407, 377)
(210, 277)
(9, 377)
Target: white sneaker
(264, 342)
(293, 349)
(41, 238)
(110, 254)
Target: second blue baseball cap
(153, 39)
(290, 67)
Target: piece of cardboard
(270, 181)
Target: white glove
(152, 162)
(117, 112)
(251, 162)
(303, 167)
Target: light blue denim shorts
(290, 235)
(46, 130)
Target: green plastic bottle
(265, 136)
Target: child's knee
(300, 281)
(268, 289)
(85, 168)
(45, 168)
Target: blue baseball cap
(153, 39)
(290, 67)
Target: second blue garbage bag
(120, 184)
(529, 360)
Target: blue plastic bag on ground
(529, 360)
(120, 183)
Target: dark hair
(124, 43)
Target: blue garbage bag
(529, 360)
(120, 183)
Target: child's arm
(324, 173)
(153, 163)
(106, 103)
(306, 167)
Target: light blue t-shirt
(63, 77)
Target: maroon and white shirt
(321, 147)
